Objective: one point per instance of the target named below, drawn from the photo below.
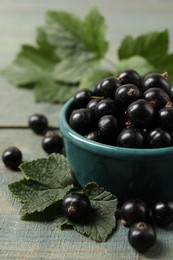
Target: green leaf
(72, 36)
(138, 63)
(73, 70)
(90, 80)
(45, 183)
(153, 46)
(55, 91)
(101, 220)
(30, 66)
(166, 65)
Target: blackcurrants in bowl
(129, 110)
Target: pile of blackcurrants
(128, 111)
(52, 142)
(142, 221)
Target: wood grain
(21, 239)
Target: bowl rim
(105, 149)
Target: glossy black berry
(129, 76)
(162, 213)
(76, 206)
(93, 135)
(82, 120)
(131, 138)
(52, 143)
(108, 129)
(157, 97)
(12, 158)
(133, 211)
(106, 107)
(82, 97)
(165, 118)
(38, 123)
(158, 138)
(140, 113)
(126, 94)
(92, 103)
(107, 87)
(156, 80)
(141, 236)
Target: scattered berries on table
(38, 123)
(76, 206)
(52, 143)
(12, 158)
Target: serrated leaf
(52, 172)
(72, 36)
(46, 183)
(29, 66)
(72, 70)
(101, 220)
(90, 80)
(153, 46)
(55, 91)
(138, 63)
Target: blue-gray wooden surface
(20, 239)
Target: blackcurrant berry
(12, 158)
(165, 118)
(106, 107)
(76, 206)
(82, 97)
(140, 113)
(93, 136)
(52, 143)
(129, 76)
(162, 213)
(158, 138)
(157, 97)
(156, 80)
(126, 94)
(92, 103)
(131, 138)
(82, 120)
(107, 87)
(108, 129)
(133, 211)
(38, 123)
(142, 236)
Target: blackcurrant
(165, 118)
(140, 113)
(106, 107)
(108, 129)
(133, 211)
(93, 136)
(157, 97)
(158, 138)
(156, 80)
(131, 138)
(92, 103)
(52, 143)
(129, 76)
(126, 94)
(82, 120)
(76, 206)
(82, 97)
(38, 123)
(107, 87)
(141, 236)
(162, 213)
(12, 158)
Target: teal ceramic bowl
(128, 173)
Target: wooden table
(39, 240)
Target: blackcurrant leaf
(101, 221)
(46, 182)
